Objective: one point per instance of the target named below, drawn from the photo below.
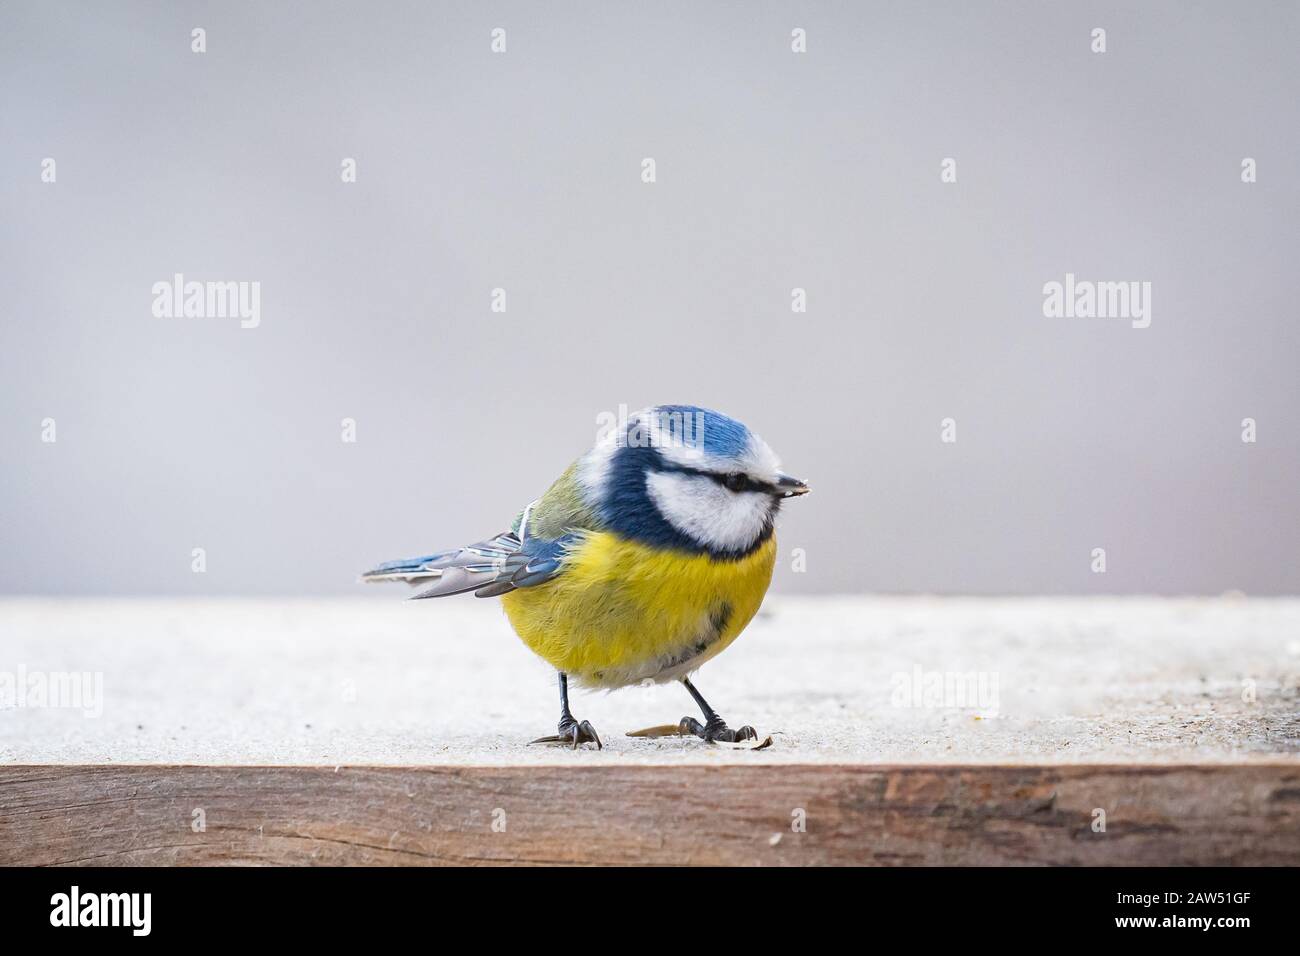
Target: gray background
(775, 170)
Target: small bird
(644, 560)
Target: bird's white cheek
(708, 513)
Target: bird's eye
(735, 481)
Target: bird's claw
(573, 732)
(716, 730)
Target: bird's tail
(450, 572)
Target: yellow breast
(622, 612)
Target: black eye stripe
(741, 481)
(737, 482)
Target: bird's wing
(452, 572)
(547, 529)
(536, 562)
(563, 509)
(529, 554)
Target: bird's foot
(716, 730)
(572, 732)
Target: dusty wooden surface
(652, 815)
(379, 731)
(389, 681)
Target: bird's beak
(790, 487)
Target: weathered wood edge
(1178, 814)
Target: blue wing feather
(488, 568)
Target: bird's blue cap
(720, 435)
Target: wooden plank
(1176, 718)
(1224, 814)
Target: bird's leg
(571, 731)
(714, 727)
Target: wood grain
(1224, 814)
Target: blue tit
(644, 560)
